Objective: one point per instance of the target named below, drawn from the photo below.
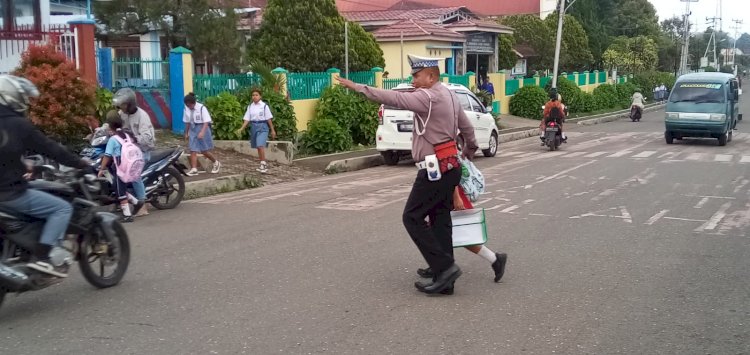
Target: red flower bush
(67, 102)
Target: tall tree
(313, 42)
(631, 55)
(195, 24)
(596, 18)
(670, 44)
(575, 54)
(508, 56)
(636, 18)
(743, 43)
(532, 31)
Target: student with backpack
(258, 116)
(127, 163)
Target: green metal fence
(581, 79)
(602, 77)
(543, 81)
(140, 73)
(206, 86)
(529, 82)
(511, 86)
(304, 86)
(592, 78)
(363, 77)
(572, 78)
(459, 79)
(389, 84)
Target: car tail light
(380, 114)
(552, 124)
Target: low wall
(277, 151)
(305, 112)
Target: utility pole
(686, 39)
(346, 45)
(736, 27)
(561, 11)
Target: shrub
(528, 101)
(625, 93)
(66, 105)
(567, 89)
(226, 113)
(324, 135)
(103, 103)
(605, 97)
(352, 111)
(284, 118)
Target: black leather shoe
(426, 273)
(443, 281)
(499, 265)
(421, 286)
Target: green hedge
(325, 135)
(226, 113)
(605, 97)
(528, 102)
(352, 111)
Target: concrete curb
(209, 187)
(587, 121)
(354, 164)
(518, 135)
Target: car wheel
(492, 150)
(723, 139)
(391, 157)
(669, 137)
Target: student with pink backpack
(127, 164)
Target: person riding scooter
(17, 136)
(636, 108)
(554, 105)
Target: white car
(394, 134)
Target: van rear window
(698, 92)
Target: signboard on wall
(481, 43)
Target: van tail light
(381, 110)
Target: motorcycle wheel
(170, 191)
(104, 251)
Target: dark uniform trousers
(433, 199)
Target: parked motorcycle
(635, 113)
(162, 175)
(93, 237)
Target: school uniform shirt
(197, 116)
(258, 112)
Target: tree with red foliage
(67, 102)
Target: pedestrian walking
(198, 133)
(439, 117)
(258, 115)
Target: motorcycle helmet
(124, 99)
(16, 92)
(553, 94)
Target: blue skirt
(200, 145)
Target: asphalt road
(618, 243)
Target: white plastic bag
(472, 180)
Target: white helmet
(16, 91)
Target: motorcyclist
(553, 110)
(17, 136)
(137, 121)
(638, 102)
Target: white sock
(132, 199)
(126, 210)
(487, 254)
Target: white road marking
(621, 153)
(715, 219)
(656, 217)
(685, 219)
(723, 157)
(645, 154)
(574, 154)
(695, 156)
(701, 203)
(745, 159)
(594, 155)
(510, 154)
(510, 209)
(560, 174)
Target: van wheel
(723, 139)
(391, 157)
(669, 137)
(492, 150)
(730, 136)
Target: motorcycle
(552, 133)
(635, 113)
(162, 175)
(92, 237)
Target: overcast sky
(732, 9)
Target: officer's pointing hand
(346, 83)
